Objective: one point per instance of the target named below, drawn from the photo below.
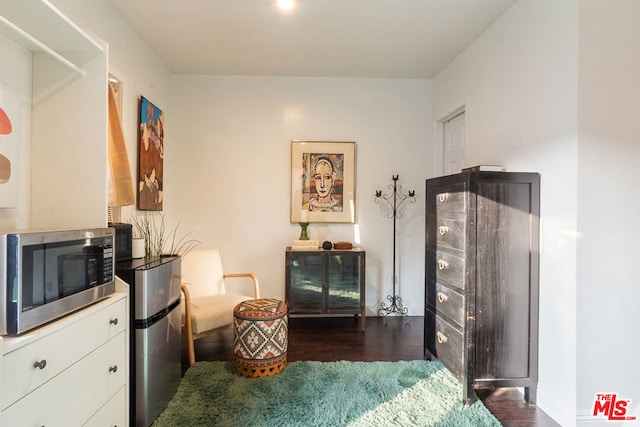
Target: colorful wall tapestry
(150, 157)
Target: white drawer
(74, 396)
(62, 344)
(113, 413)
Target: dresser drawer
(113, 413)
(445, 342)
(451, 199)
(450, 230)
(69, 340)
(73, 396)
(446, 266)
(445, 302)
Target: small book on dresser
(485, 168)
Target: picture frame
(323, 181)
(150, 157)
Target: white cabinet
(54, 76)
(71, 372)
(111, 412)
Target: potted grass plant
(158, 240)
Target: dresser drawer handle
(442, 264)
(113, 321)
(443, 197)
(442, 297)
(443, 229)
(442, 338)
(113, 368)
(41, 364)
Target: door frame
(438, 146)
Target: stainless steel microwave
(46, 275)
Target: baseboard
(554, 409)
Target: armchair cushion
(213, 311)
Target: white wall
(231, 183)
(249, 120)
(131, 60)
(608, 202)
(58, 117)
(16, 100)
(240, 122)
(518, 84)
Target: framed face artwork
(150, 157)
(323, 181)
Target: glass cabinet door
(307, 273)
(343, 284)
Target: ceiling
(317, 38)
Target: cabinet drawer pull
(442, 297)
(442, 338)
(113, 368)
(113, 321)
(442, 264)
(443, 229)
(41, 364)
(443, 197)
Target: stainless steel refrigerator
(155, 364)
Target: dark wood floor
(390, 339)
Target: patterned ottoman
(260, 337)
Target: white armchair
(207, 306)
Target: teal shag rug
(409, 393)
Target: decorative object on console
(150, 157)
(303, 231)
(343, 245)
(327, 245)
(395, 302)
(323, 181)
(305, 244)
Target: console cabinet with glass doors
(325, 283)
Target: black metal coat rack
(394, 200)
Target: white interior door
(453, 145)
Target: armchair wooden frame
(187, 326)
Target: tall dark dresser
(481, 296)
